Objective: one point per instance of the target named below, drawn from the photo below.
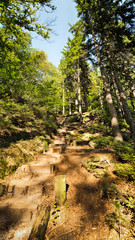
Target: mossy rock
(99, 173)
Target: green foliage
(55, 213)
(100, 128)
(131, 203)
(109, 30)
(125, 171)
(3, 166)
(116, 218)
(124, 147)
(125, 152)
(75, 68)
(22, 14)
(20, 153)
(109, 188)
(89, 165)
(104, 142)
(111, 219)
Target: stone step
(11, 214)
(14, 213)
(17, 191)
(20, 187)
(38, 168)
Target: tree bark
(100, 99)
(76, 96)
(112, 110)
(79, 91)
(120, 94)
(63, 98)
(115, 85)
(70, 110)
(132, 93)
(40, 225)
(126, 109)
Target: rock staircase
(26, 190)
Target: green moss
(125, 152)
(125, 171)
(104, 142)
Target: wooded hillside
(90, 97)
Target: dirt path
(83, 215)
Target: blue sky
(64, 14)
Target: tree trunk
(40, 225)
(76, 96)
(132, 93)
(117, 95)
(70, 110)
(85, 99)
(63, 98)
(79, 91)
(115, 85)
(100, 99)
(112, 110)
(126, 109)
(121, 95)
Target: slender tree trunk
(132, 94)
(76, 96)
(100, 99)
(133, 90)
(63, 97)
(117, 95)
(100, 95)
(70, 111)
(85, 99)
(121, 95)
(112, 110)
(114, 83)
(79, 91)
(127, 113)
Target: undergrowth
(24, 131)
(20, 153)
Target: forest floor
(96, 207)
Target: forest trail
(83, 215)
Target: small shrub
(131, 203)
(124, 147)
(96, 127)
(3, 167)
(111, 219)
(125, 152)
(104, 142)
(89, 164)
(125, 170)
(109, 188)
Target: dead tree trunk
(40, 225)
